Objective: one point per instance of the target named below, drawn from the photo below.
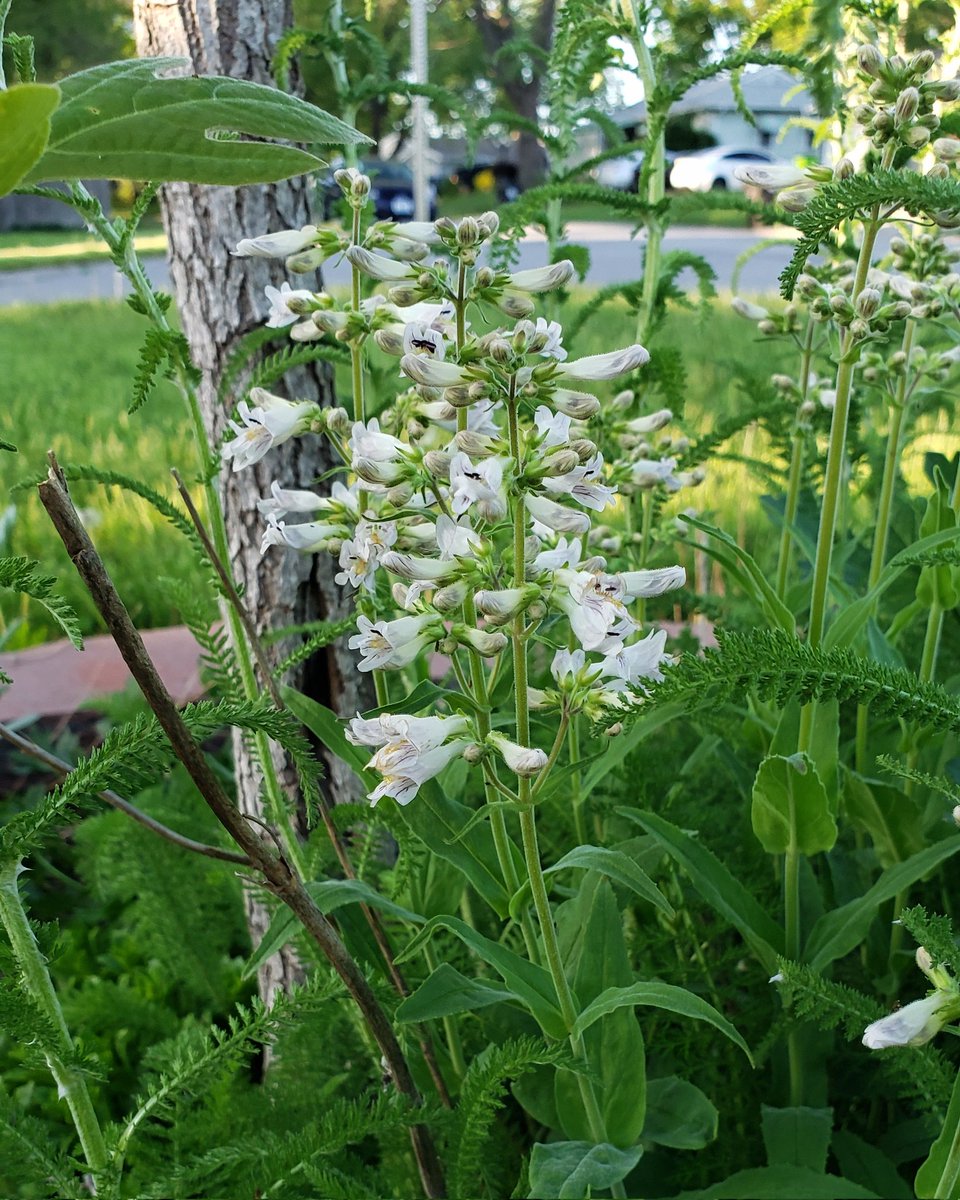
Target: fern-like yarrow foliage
(23, 575)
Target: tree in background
(70, 35)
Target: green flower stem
(950, 1175)
(891, 470)
(541, 779)
(573, 752)
(528, 822)
(356, 348)
(71, 1084)
(276, 804)
(796, 470)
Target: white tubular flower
(594, 613)
(382, 535)
(651, 423)
(287, 500)
(648, 473)
(391, 644)
(379, 474)
(306, 331)
(366, 441)
(579, 405)
(277, 245)
(913, 1025)
(423, 341)
(308, 537)
(583, 485)
(650, 583)
(553, 428)
(564, 554)
(542, 279)
(456, 539)
(359, 559)
(507, 602)
(770, 176)
(428, 571)
(281, 314)
(439, 316)
(557, 517)
(425, 732)
(378, 265)
(629, 665)
(481, 418)
(342, 499)
(543, 337)
(269, 423)
(598, 367)
(522, 760)
(405, 767)
(481, 485)
(430, 372)
(418, 231)
(752, 312)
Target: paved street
(614, 259)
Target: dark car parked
(501, 177)
(391, 191)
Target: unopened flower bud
(583, 448)
(484, 278)
(389, 342)
(844, 169)
(399, 494)
(468, 232)
(939, 170)
(485, 642)
(868, 302)
(437, 463)
(445, 228)
(870, 60)
(579, 405)
(338, 420)
(916, 137)
(906, 107)
(921, 62)
(743, 308)
(767, 328)
(947, 149)
(400, 593)
(522, 760)
(795, 199)
(500, 350)
(859, 329)
(489, 223)
(450, 598)
(507, 602)
(614, 730)
(947, 90)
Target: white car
(705, 170)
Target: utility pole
(418, 66)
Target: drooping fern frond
(935, 933)
(31, 1144)
(777, 667)
(221, 1049)
(935, 783)
(919, 1072)
(153, 358)
(22, 575)
(328, 632)
(848, 199)
(672, 264)
(275, 366)
(481, 1098)
(137, 754)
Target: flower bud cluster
(901, 102)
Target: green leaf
(329, 894)
(446, 991)
(329, 729)
(745, 570)
(798, 1137)
(612, 863)
(679, 1115)
(659, 995)
(614, 1046)
(625, 744)
(891, 819)
(781, 1183)
(939, 1176)
(717, 886)
(574, 1170)
(863, 1163)
(840, 931)
(531, 984)
(791, 806)
(21, 575)
(25, 113)
(120, 121)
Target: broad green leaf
(890, 819)
(781, 1183)
(531, 984)
(446, 991)
(939, 1176)
(120, 121)
(855, 616)
(744, 569)
(329, 894)
(614, 1046)
(840, 931)
(798, 1137)
(791, 806)
(717, 886)
(863, 1163)
(575, 1170)
(436, 819)
(679, 1115)
(25, 113)
(659, 995)
(612, 863)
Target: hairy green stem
(796, 470)
(71, 1084)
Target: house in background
(772, 94)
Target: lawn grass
(21, 249)
(67, 370)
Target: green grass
(66, 370)
(25, 248)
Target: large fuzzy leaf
(24, 128)
(122, 121)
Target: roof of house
(765, 89)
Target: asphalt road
(614, 259)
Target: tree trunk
(221, 298)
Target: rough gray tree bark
(221, 298)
